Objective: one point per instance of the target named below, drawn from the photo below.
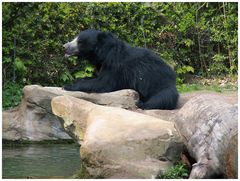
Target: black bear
(121, 66)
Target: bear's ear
(103, 36)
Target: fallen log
(208, 125)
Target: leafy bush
(12, 94)
(179, 171)
(181, 71)
(198, 35)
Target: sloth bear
(121, 66)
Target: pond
(40, 161)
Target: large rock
(116, 142)
(33, 119)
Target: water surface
(40, 161)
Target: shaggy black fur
(121, 66)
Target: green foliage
(66, 76)
(179, 171)
(181, 71)
(218, 84)
(82, 173)
(87, 72)
(189, 36)
(20, 67)
(185, 69)
(217, 67)
(12, 94)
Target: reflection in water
(40, 161)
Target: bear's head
(85, 43)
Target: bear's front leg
(98, 85)
(85, 85)
(70, 87)
(82, 84)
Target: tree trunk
(209, 128)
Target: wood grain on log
(209, 128)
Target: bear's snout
(66, 48)
(65, 45)
(71, 48)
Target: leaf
(79, 74)
(6, 59)
(66, 76)
(20, 65)
(188, 42)
(89, 69)
(189, 69)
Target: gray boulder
(33, 120)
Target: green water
(40, 161)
